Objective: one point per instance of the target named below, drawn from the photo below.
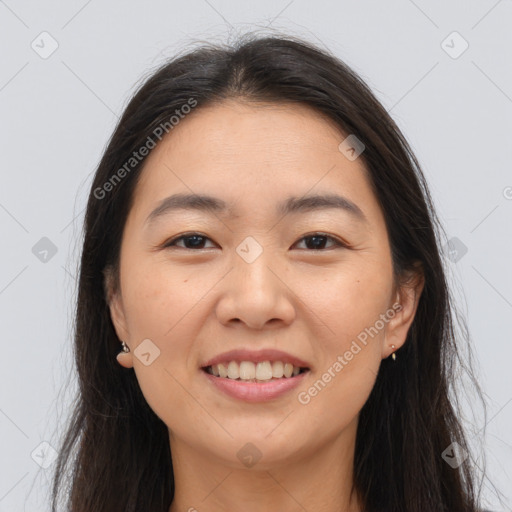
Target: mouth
(249, 371)
(252, 382)
(256, 376)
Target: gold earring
(393, 355)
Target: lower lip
(255, 391)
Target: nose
(256, 294)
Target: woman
(261, 242)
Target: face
(314, 282)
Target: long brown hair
(116, 450)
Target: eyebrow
(209, 204)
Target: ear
(407, 297)
(117, 314)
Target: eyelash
(338, 243)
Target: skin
(198, 302)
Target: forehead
(239, 128)
(254, 154)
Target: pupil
(196, 237)
(322, 240)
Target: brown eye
(317, 241)
(190, 240)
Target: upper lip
(269, 354)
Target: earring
(125, 347)
(393, 355)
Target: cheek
(349, 299)
(350, 305)
(358, 299)
(158, 298)
(161, 307)
(332, 402)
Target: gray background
(58, 112)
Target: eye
(197, 240)
(318, 240)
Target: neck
(319, 480)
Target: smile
(252, 382)
(254, 372)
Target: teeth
(247, 370)
(277, 369)
(233, 370)
(264, 371)
(223, 371)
